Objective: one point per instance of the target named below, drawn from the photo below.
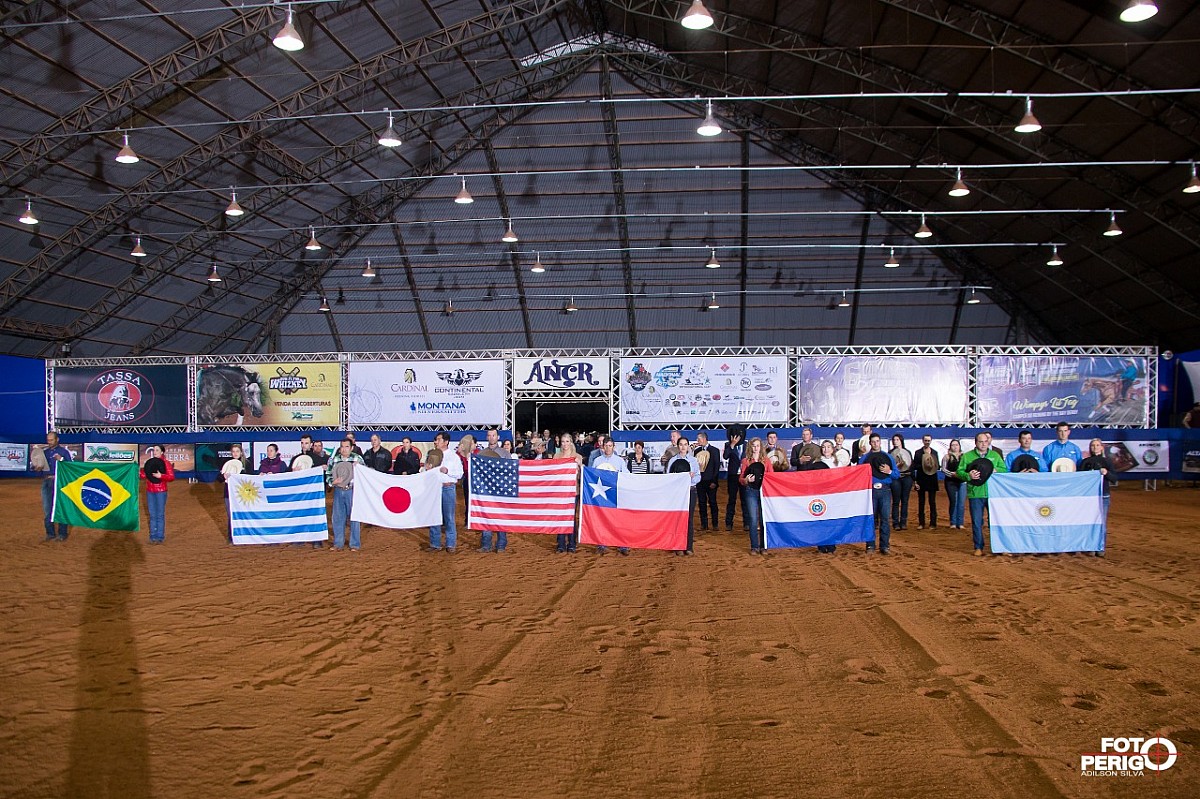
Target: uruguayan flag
(1046, 512)
(278, 508)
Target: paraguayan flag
(278, 508)
(1046, 512)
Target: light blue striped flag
(1046, 512)
(278, 508)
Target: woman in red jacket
(157, 471)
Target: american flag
(518, 496)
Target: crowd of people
(896, 472)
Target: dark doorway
(562, 415)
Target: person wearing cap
(1061, 447)
(157, 472)
(975, 468)
(340, 474)
(683, 461)
(883, 473)
(1023, 458)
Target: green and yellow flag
(102, 495)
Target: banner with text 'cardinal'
(642, 511)
(278, 508)
(1046, 512)
(818, 507)
(399, 502)
(100, 495)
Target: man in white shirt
(452, 472)
(684, 456)
(608, 459)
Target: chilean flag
(400, 502)
(641, 511)
(818, 507)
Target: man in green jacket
(976, 478)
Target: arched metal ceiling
(576, 119)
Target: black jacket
(380, 461)
(709, 475)
(734, 456)
(407, 462)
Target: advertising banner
(1052, 388)
(249, 394)
(451, 393)
(181, 456)
(210, 457)
(14, 457)
(110, 453)
(116, 396)
(560, 374)
(877, 389)
(694, 390)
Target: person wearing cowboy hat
(975, 468)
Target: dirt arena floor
(194, 669)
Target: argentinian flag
(1047, 512)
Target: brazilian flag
(102, 495)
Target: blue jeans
(343, 498)
(156, 506)
(485, 540)
(882, 501)
(435, 532)
(901, 488)
(978, 506)
(752, 508)
(958, 502)
(48, 510)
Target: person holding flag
(340, 474)
(53, 453)
(494, 450)
(451, 469)
(683, 461)
(975, 468)
(157, 472)
(608, 460)
(883, 473)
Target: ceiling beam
(612, 140)
(514, 258)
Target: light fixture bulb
(1193, 185)
(1113, 228)
(892, 262)
(709, 127)
(27, 217)
(509, 236)
(126, 155)
(1139, 10)
(713, 263)
(1055, 259)
(368, 270)
(537, 267)
(959, 189)
(324, 305)
(923, 232)
(287, 38)
(1029, 123)
(313, 244)
(213, 275)
(570, 306)
(697, 17)
(845, 303)
(233, 209)
(448, 309)
(137, 251)
(712, 302)
(389, 138)
(972, 300)
(464, 197)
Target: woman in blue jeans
(956, 489)
(751, 481)
(157, 472)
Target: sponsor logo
(638, 377)
(14, 455)
(438, 407)
(122, 395)
(1128, 757)
(669, 376)
(746, 382)
(817, 507)
(301, 417)
(558, 374)
(102, 453)
(459, 377)
(287, 383)
(410, 375)
(763, 387)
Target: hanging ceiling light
(713, 263)
(27, 217)
(710, 126)
(389, 138)
(137, 251)
(233, 209)
(697, 17)
(537, 267)
(845, 303)
(126, 155)
(509, 235)
(368, 270)
(832, 306)
(570, 306)
(777, 283)
(959, 189)
(324, 305)
(892, 262)
(1139, 10)
(712, 302)
(1029, 123)
(1193, 185)
(341, 300)
(1113, 228)
(287, 38)
(923, 232)
(1054, 260)
(464, 197)
(213, 275)
(448, 309)
(313, 244)
(972, 300)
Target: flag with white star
(640, 511)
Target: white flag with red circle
(397, 501)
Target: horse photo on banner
(278, 508)
(820, 507)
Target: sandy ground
(194, 669)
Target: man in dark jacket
(408, 460)
(377, 455)
(706, 489)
